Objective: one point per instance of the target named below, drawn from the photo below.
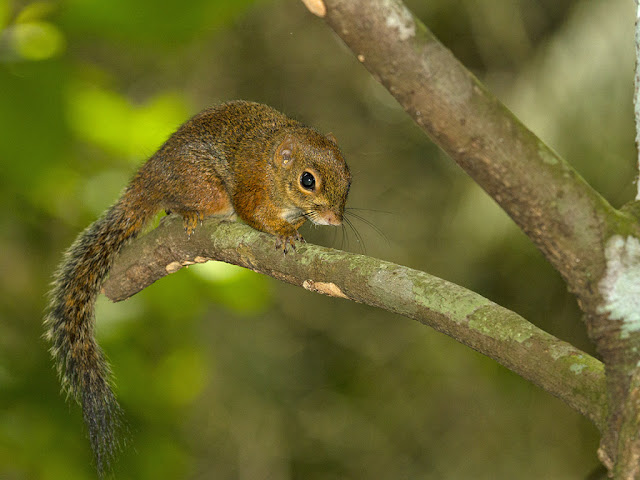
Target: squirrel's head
(316, 177)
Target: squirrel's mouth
(292, 215)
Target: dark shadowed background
(227, 374)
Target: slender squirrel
(239, 158)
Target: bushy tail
(82, 367)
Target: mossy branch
(564, 216)
(541, 192)
(556, 366)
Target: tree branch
(636, 96)
(501, 334)
(567, 220)
(543, 194)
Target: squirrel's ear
(284, 152)
(331, 138)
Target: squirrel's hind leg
(200, 199)
(191, 219)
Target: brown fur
(237, 158)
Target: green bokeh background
(224, 373)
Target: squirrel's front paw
(284, 241)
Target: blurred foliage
(226, 374)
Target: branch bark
(541, 192)
(501, 334)
(571, 224)
(636, 96)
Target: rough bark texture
(544, 195)
(566, 219)
(554, 365)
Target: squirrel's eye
(308, 181)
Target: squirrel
(239, 159)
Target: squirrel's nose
(329, 218)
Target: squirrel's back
(219, 131)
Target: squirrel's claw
(191, 220)
(284, 241)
